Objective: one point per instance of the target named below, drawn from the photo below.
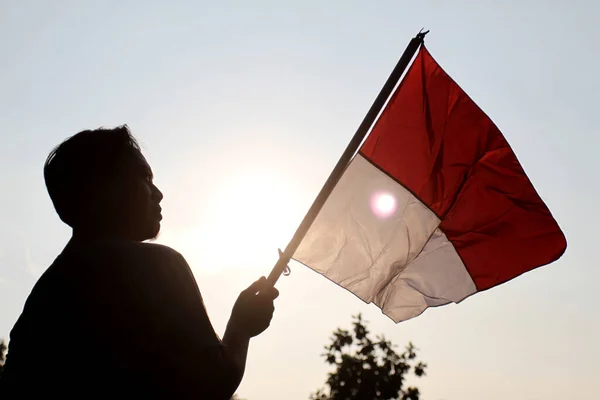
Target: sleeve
(147, 311)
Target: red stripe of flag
(435, 141)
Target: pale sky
(244, 107)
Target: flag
(434, 207)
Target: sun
(250, 216)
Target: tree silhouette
(367, 368)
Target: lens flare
(383, 204)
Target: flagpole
(338, 170)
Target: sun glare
(383, 204)
(251, 215)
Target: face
(139, 203)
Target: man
(114, 317)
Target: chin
(150, 233)
(154, 232)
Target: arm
(250, 316)
(235, 351)
(150, 312)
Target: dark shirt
(112, 319)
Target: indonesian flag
(434, 208)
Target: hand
(253, 310)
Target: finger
(264, 304)
(266, 315)
(269, 292)
(273, 293)
(256, 286)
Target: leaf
(364, 369)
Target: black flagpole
(336, 174)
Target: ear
(102, 195)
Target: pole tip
(421, 34)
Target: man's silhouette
(113, 317)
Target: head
(101, 184)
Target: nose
(157, 194)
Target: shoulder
(115, 250)
(128, 272)
(151, 252)
(109, 259)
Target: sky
(243, 109)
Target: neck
(95, 233)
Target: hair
(89, 158)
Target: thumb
(256, 286)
